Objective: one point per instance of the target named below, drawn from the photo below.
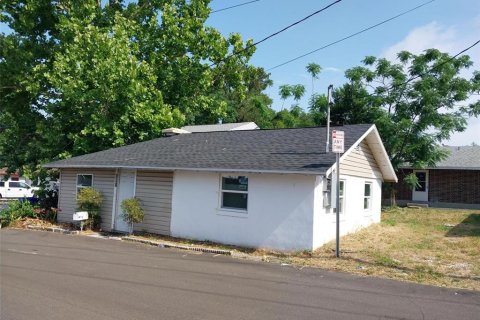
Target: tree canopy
(82, 76)
(79, 76)
(415, 103)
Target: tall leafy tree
(298, 90)
(82, 76)
(285, 92)
(415, 103)
(314, 70)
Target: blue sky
(444, 24)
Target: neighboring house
(256, 188)
(452, 183)
(222, 127)
(14, 176)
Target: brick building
(454, 182)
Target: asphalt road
(51, 276)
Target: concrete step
(417, 205)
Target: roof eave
(316, 173)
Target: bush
(48, 202)
(90, 200)
(16, 210)
(132, 211)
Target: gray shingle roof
(299, 150)
(466, 157)
(218, 127)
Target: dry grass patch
(431, 246)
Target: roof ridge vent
(174, 131)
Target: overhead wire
(277, 32)
(352, 35)
(234, 6)
(437, 66)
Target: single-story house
(254, 188)
(452, 183)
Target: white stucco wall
(354, 216)
(280, 211)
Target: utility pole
(329, 103)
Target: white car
(16, 189)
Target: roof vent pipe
(330, 102)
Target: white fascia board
(442, 168)
(382, 152)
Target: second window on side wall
(234, 192)
(367, 196)
(84, 181)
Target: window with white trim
(84, 181)
(342, 197)
(367, 196)
(234, 192)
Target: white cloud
(451, 39)
(421, 38)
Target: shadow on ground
(469, 227)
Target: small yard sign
(81, 215)
(338, 138)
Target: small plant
(411, 181)
(16, 210)
(132, 211)
(90, 200)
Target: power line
(235, 6)
(278, 32)
(351, 35)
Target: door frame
(118, 173)
(421, 195)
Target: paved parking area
(51, 276)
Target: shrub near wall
(90, 200)
(16, 210)
(132, 211)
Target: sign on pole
(338, 138)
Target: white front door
(125, 190)
(420, 193)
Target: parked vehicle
(16, 189)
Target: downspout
(114, 205)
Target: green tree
(318, 109)
(298, 90)
(285, 92)
(414, 103)
(79, 76)
(314, 70)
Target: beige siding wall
(361, 163)
(103, 181)
(154, 189)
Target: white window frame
(369, 208)
(77, 187)
(242, 212)
(342, 197)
